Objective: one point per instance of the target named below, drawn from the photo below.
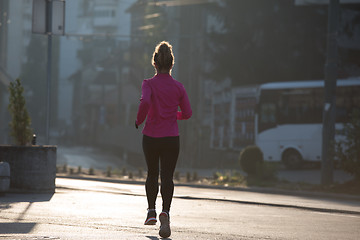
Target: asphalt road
(101, 210)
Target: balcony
(105, 16)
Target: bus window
(267, 116)
(300, 106)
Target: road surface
(83, 209)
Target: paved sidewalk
(83, 209)
(277, 197)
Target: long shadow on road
(19, 227)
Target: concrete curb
(250, 189)
(279, 192)
(313, 209)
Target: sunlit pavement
(82, 209)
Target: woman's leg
(151, 152)
(168, 159)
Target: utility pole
(49, 19)
(329, 111)
(49, 56)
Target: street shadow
(156, 238)
(9, 201)
(6, 201)
(16, 227)
(152, 238)
(25, 197)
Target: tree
(21, 121)
(348, 40)
(263, 41)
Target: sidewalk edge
(249, 189)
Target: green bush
(216, 175)
(269, 171)
(229, 178)
(251, 160)
(348, 148)
(20, 120)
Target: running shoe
(151, 218)
(165, 231)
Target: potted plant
(32, 167)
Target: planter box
(32, 168)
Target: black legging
(165, 149)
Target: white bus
(288, 122)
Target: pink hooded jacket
(160, 99)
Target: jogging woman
(160, 99)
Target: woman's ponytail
(163, 57)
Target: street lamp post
(329, 112)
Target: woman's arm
(145, 101)
(185, 107)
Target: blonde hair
(163, 57)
